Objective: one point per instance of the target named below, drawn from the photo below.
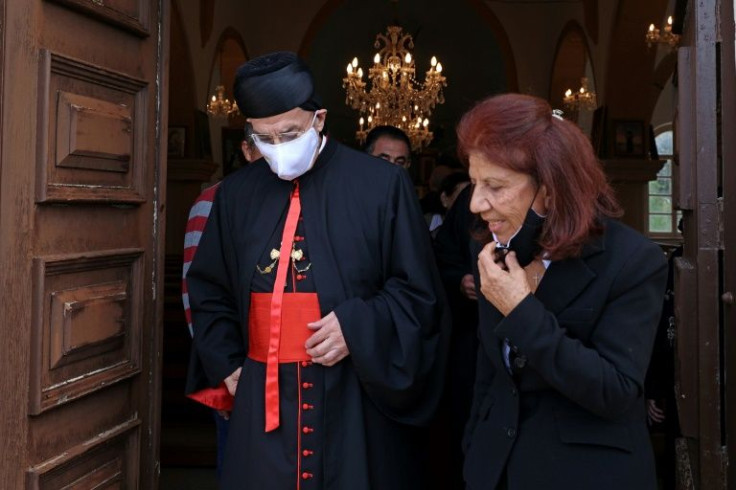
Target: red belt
(297, 310)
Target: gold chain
(296, 255)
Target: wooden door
(81, 193)
(728, 195)
(705, 275)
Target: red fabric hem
(218, 398)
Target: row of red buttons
(306, 406)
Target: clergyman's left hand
(327, 345)
(505, 289)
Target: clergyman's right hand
(231, 382)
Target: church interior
(592, 59)
(116, 114)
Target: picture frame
(628, 139)
(177, 141)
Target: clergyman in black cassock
(361, 245)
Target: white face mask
(291, 159)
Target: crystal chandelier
(394, 97)
(582, 100)
(655, 36)
(220, 106)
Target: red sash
(297, 309)
(218, 398)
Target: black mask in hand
(526, 241)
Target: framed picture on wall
(628, 138)
(177, 141)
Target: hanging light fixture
(582, 100)
(220, 106)
(394, 97)
(665, 36)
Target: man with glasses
(389, 143)
(316, 303)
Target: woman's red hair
(519, 132)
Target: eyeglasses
(278, 138)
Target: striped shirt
(195, 227)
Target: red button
(306, 476)
(307, 430)
(306, 386)
(307, 452)
(298, 238)
(307, 406)
(305, 363)
(299, 277)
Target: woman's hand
(505, 287)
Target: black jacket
(574, 415)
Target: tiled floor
(188, 455)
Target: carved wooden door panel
(81, 218)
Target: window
(663, 217)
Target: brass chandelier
(220, 106)
(582, 100)
(665, 36)
(394, 97)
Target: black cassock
(358, 424)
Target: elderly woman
(569, 302)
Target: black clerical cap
(273, 84)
